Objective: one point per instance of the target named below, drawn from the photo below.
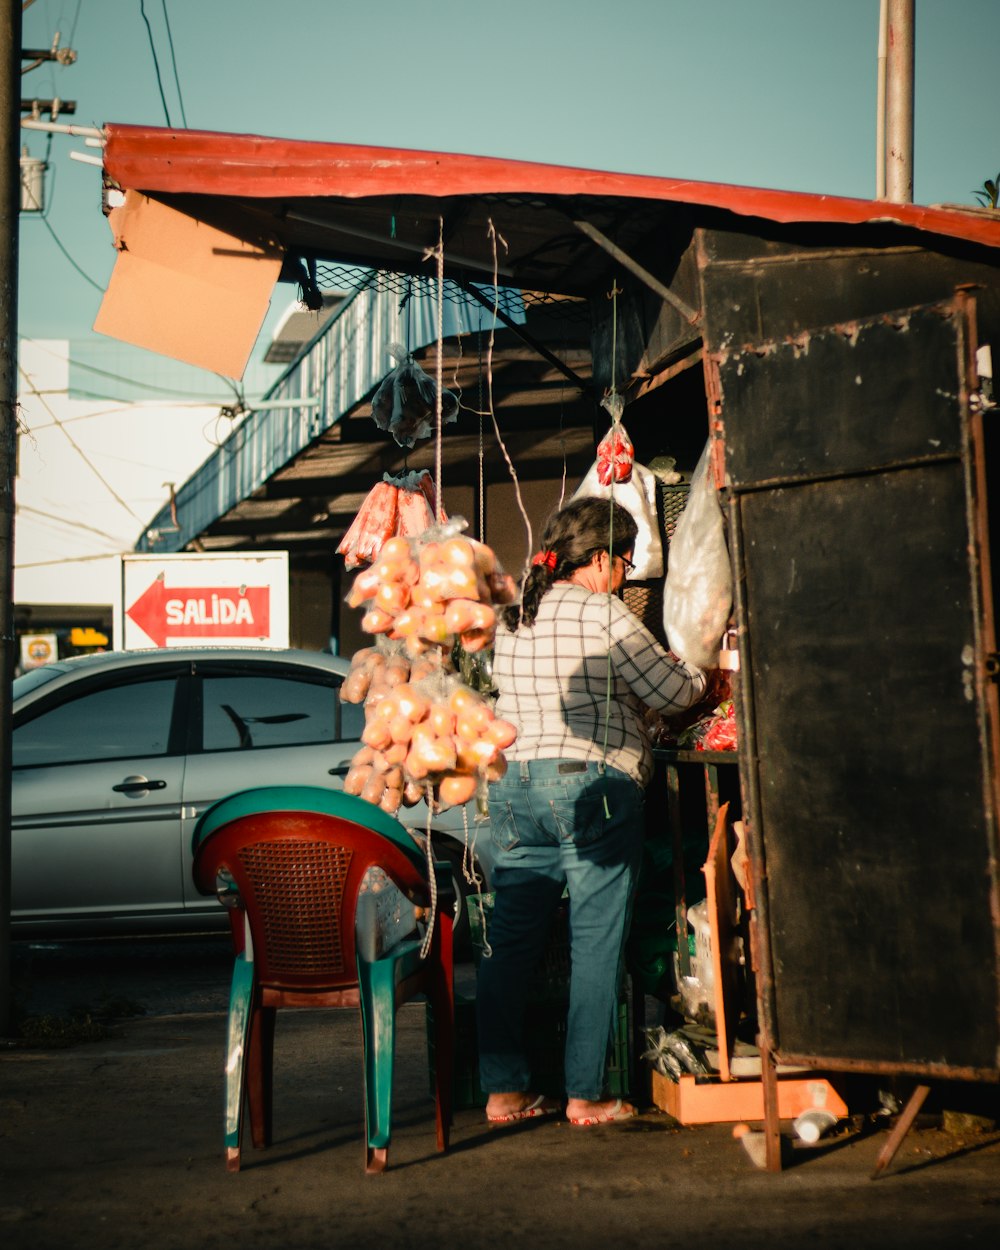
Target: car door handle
(340, 771)
(131, 784)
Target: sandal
(617, 1111)
(541, 1106)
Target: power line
(58, 242)
(70, 521)
(156, 63)
(77, 448)
(44, 564)
(173, 59)
(209, 401)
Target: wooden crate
(708, 1100)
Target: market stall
(835, 355)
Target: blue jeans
(556, 824)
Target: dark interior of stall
(866, 865)
(875, 843)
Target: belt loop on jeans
(525, 772)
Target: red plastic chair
(289, 861)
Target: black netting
(334, 277)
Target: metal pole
(899, 102)
(10, 202)
(883, 30)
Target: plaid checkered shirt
(553, 681)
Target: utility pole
(10, 203)
(899, 101)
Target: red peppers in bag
(615, 456)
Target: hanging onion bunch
(435, 739)
(434, 591)
(427, 734)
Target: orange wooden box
(711, 1101)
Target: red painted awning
(211, 220)
(204, 163)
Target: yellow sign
(87, 637)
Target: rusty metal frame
(690, 315)
(586, 387)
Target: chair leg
(376, 982)
(260, 1075)
(443, 1013)
(241, 1001)
(377, 1160)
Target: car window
(130, 719)
(250, 710)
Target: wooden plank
(722, 929)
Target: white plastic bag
(405, 403)
(699, 590)
(638, 496)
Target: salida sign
(176, 612)
(204, 600)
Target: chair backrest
(297, 855)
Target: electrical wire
(209, 401)
(45, 564)
(156, 63)
(76, 18)
(72, 523)
(173, 61)
(76, 446)
(59, 244)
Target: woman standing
(572, 666)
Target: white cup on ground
(811, 1125)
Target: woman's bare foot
(584, 1114)
(518, 1105)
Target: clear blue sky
(777, 93)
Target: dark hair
(574, 535)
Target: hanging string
(439, 510)
(494, 236)
(425, 946)
(615, 417)
(482, 449)
(406, 303)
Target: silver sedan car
(116, 755)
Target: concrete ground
(118, 1143)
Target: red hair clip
(548, 558)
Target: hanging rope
(425, 946)
(494, 236)
(614, 406)
(482, 449)
(438, 370)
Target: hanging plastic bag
(615, 456)
(400, 505)
(637, 496)
(405, 403)
(699, 592)
(375, 522)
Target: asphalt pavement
(118, 1142)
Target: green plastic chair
(291, 863)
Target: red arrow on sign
(235, 612)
